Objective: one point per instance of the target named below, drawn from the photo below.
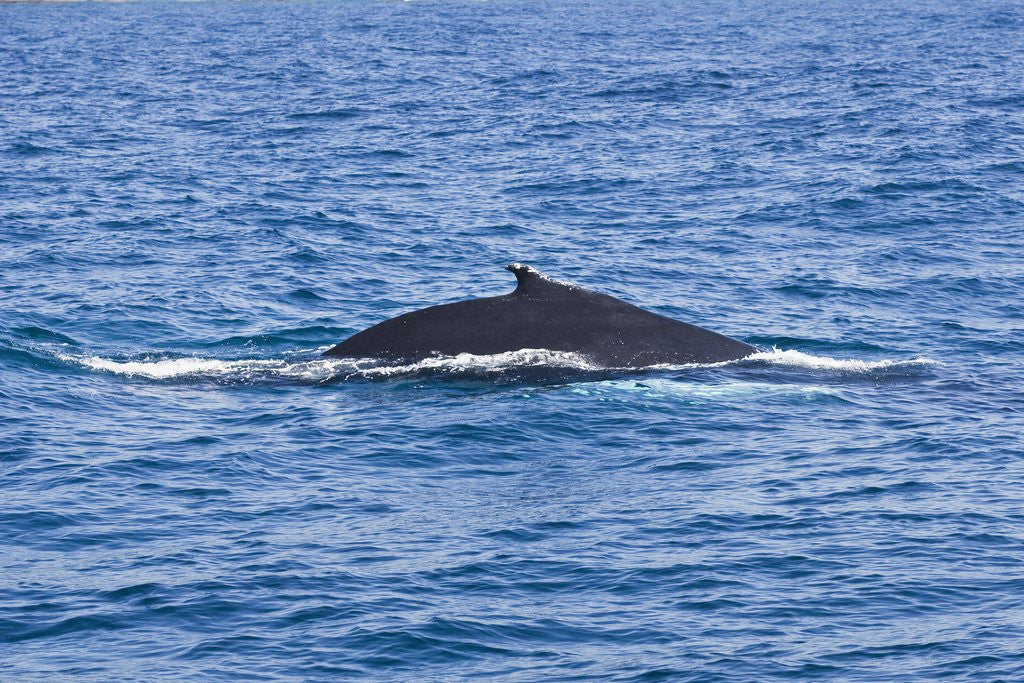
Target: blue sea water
(198, 198)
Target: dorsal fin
(532, 282)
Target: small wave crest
(465, 365)
(799, 359)
(169, 368)
(326, 369)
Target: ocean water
(196, 199)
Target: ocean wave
(799, 359)
(319, 369)
(323, 369)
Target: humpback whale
(543, 314)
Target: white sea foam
(799, 359)
(498, 362)
(173, 367)
(159, 369)
(321, 369)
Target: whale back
(543, 314)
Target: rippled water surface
(198, 198)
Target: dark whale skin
(543, 314)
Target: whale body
(543, 314)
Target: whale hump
(543, 314)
